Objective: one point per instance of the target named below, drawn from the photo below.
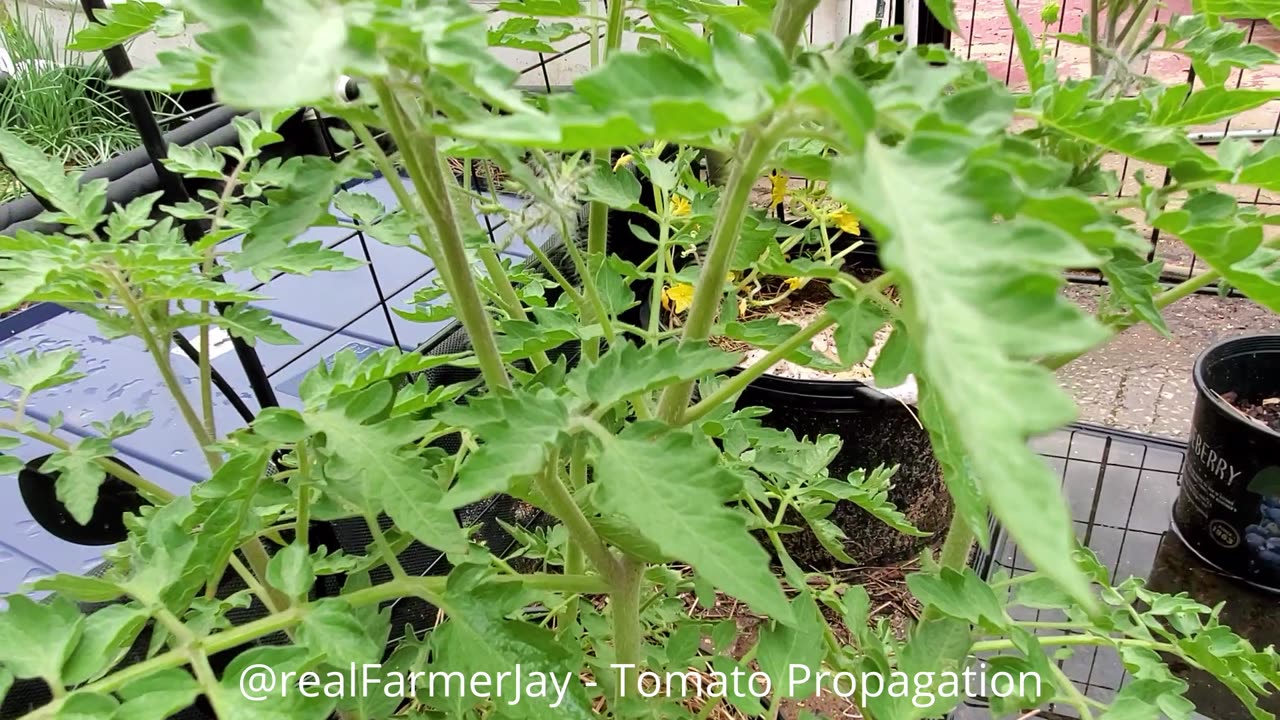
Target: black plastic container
(876, 429)
(1228, 510)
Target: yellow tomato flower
(777, 189)
(622, 161)
(680, 206)
(846, 221)
(677, 298)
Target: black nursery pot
(1228, 510)
(875, 429)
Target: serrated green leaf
(360, 206)
(619, 189)
(870, 491)
(251, 324)
(85, 705)
(1211, 224)
(1139, 699)
(982, 308)
(108, 635)
(37, 638)
(372, 463)
(272, 705)
(79, 205)
(857, 322)
(116, 24)
(1177, 108)
(672, 488)
(78, 475)
(1118, 126)
(1133, 282)
(122, 424)
(158, 695)
(802, 644)
(526, 33)
(196, 160)
(960, 595)
(628, 369)
(551, 8)
(282, 54)
(290, 571)
(37, 371)
(179, 70)
(283, 425)
(10, 465)
(517, 431)
(76, 587)
(330, 628)
(1032, 59)
(479, 638)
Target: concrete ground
(1141, 381)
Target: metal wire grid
(1120, 488)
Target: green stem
(624, 602)
(206, 376)
(1162, 300)
(433, 192)
(256, 554)
(384, 547)
(160, 356)
(574, 561)
(430, 588)
(659, 271)
(752, 152)
(262, 593)
(150, 490)
(302, 525)
(565, 508)
(736, 384)
(789, 20)
(613, 33)
(958, 543)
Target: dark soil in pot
(1228, 510)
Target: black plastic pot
(1228, 511)
(876, 429)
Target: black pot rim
(853, 389)
(1213, 396)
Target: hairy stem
(624, 603)
(256, 554)
(430, 588)
(566, 509)
(752, 152)
(958, 543)
(160, 356)
(384, 548)
(433, 192)
(149, 490)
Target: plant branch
(434, 195)
(160, 356)
(566, 509)
(753, 150)
(428, 587)
(150, 490)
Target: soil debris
(1264, 411)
